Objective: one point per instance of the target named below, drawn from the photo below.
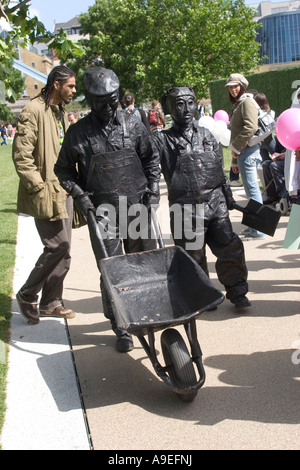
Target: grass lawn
(8, 233)
(227, 160)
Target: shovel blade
(261, 217)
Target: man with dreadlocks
(39, 135)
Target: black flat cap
(100, 81)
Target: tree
(6, 115)
(156, 44)
(15, 85)
(21, 29)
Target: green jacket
(35, 150)
(243, 122)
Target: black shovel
(259, 217)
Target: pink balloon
(288, 128)
(221, 115)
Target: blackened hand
(151, 199)
(230, 203)
(83, 203)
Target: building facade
(279, 36)
(40, 63)
(72, 29)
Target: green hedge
(278, 85)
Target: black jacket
(79, 146)
(192, 166)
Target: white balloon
(219, 129)
(225, 138)
(221, 125)
(207, 121)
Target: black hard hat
(100, 81)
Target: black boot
(240, 302)
(124, 341)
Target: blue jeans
(248, 161)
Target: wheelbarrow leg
(191, 332)
(151, 353)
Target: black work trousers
(228, 248)
(53, 265)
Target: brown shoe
(28, 310)
(58, 312)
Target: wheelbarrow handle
(94, 229)
(157, 229)
(93, 226)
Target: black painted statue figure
(199, 190)
(106, 158)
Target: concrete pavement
(250, 399)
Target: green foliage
(12, 85)
(65, 47)
(6, 115)
(153, 45)
(278, 85)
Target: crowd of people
(268, 153)
(115, 152)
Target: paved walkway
(250, 399)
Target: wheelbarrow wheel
(178, 362)
(283, 206)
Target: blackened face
(104, 106)
(183, 110)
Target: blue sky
(64, 10)
(58, 10)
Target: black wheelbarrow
(159, 290)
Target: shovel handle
(240, 208)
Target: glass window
(280, 37)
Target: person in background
(129, 103)
(10, 131)
(267, 146)
(273, 171)
(243, 125)
(72, 117)
(155, 117)
(200, 111)
(4, 135)
(39, 134)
